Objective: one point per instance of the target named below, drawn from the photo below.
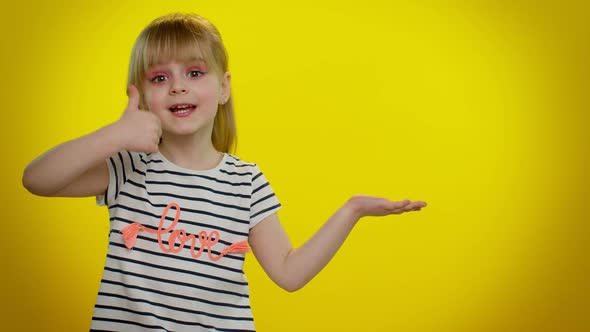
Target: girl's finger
(396, 211)
(133, 103)
(397, 205)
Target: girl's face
(185, 96)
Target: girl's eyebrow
(155, 71)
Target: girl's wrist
(352, 210)
(112, 135)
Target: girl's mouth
(182, 109)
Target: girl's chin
(185, 132)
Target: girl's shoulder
(237, 165)
(237, 161)
(131, 160)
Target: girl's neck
(191, 154)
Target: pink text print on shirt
(207, 240)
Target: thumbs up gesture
(139, 130)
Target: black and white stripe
(148, 289)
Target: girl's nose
(176, 90)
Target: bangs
(177, 41)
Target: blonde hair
(184, 37)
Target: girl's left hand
(362, 206)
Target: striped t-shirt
(157, 286)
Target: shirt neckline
(189, 170)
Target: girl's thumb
(133, 94)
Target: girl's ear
(225, 88)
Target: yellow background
(479, 108)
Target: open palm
(378, 206)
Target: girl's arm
(291, 268)
(77, 168)
(73, 169)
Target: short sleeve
(120, 166)
(263, 201)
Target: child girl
(182, 208)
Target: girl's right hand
(139, 130)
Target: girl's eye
(195, 73)
(158, 78)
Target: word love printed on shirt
(206, 240)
